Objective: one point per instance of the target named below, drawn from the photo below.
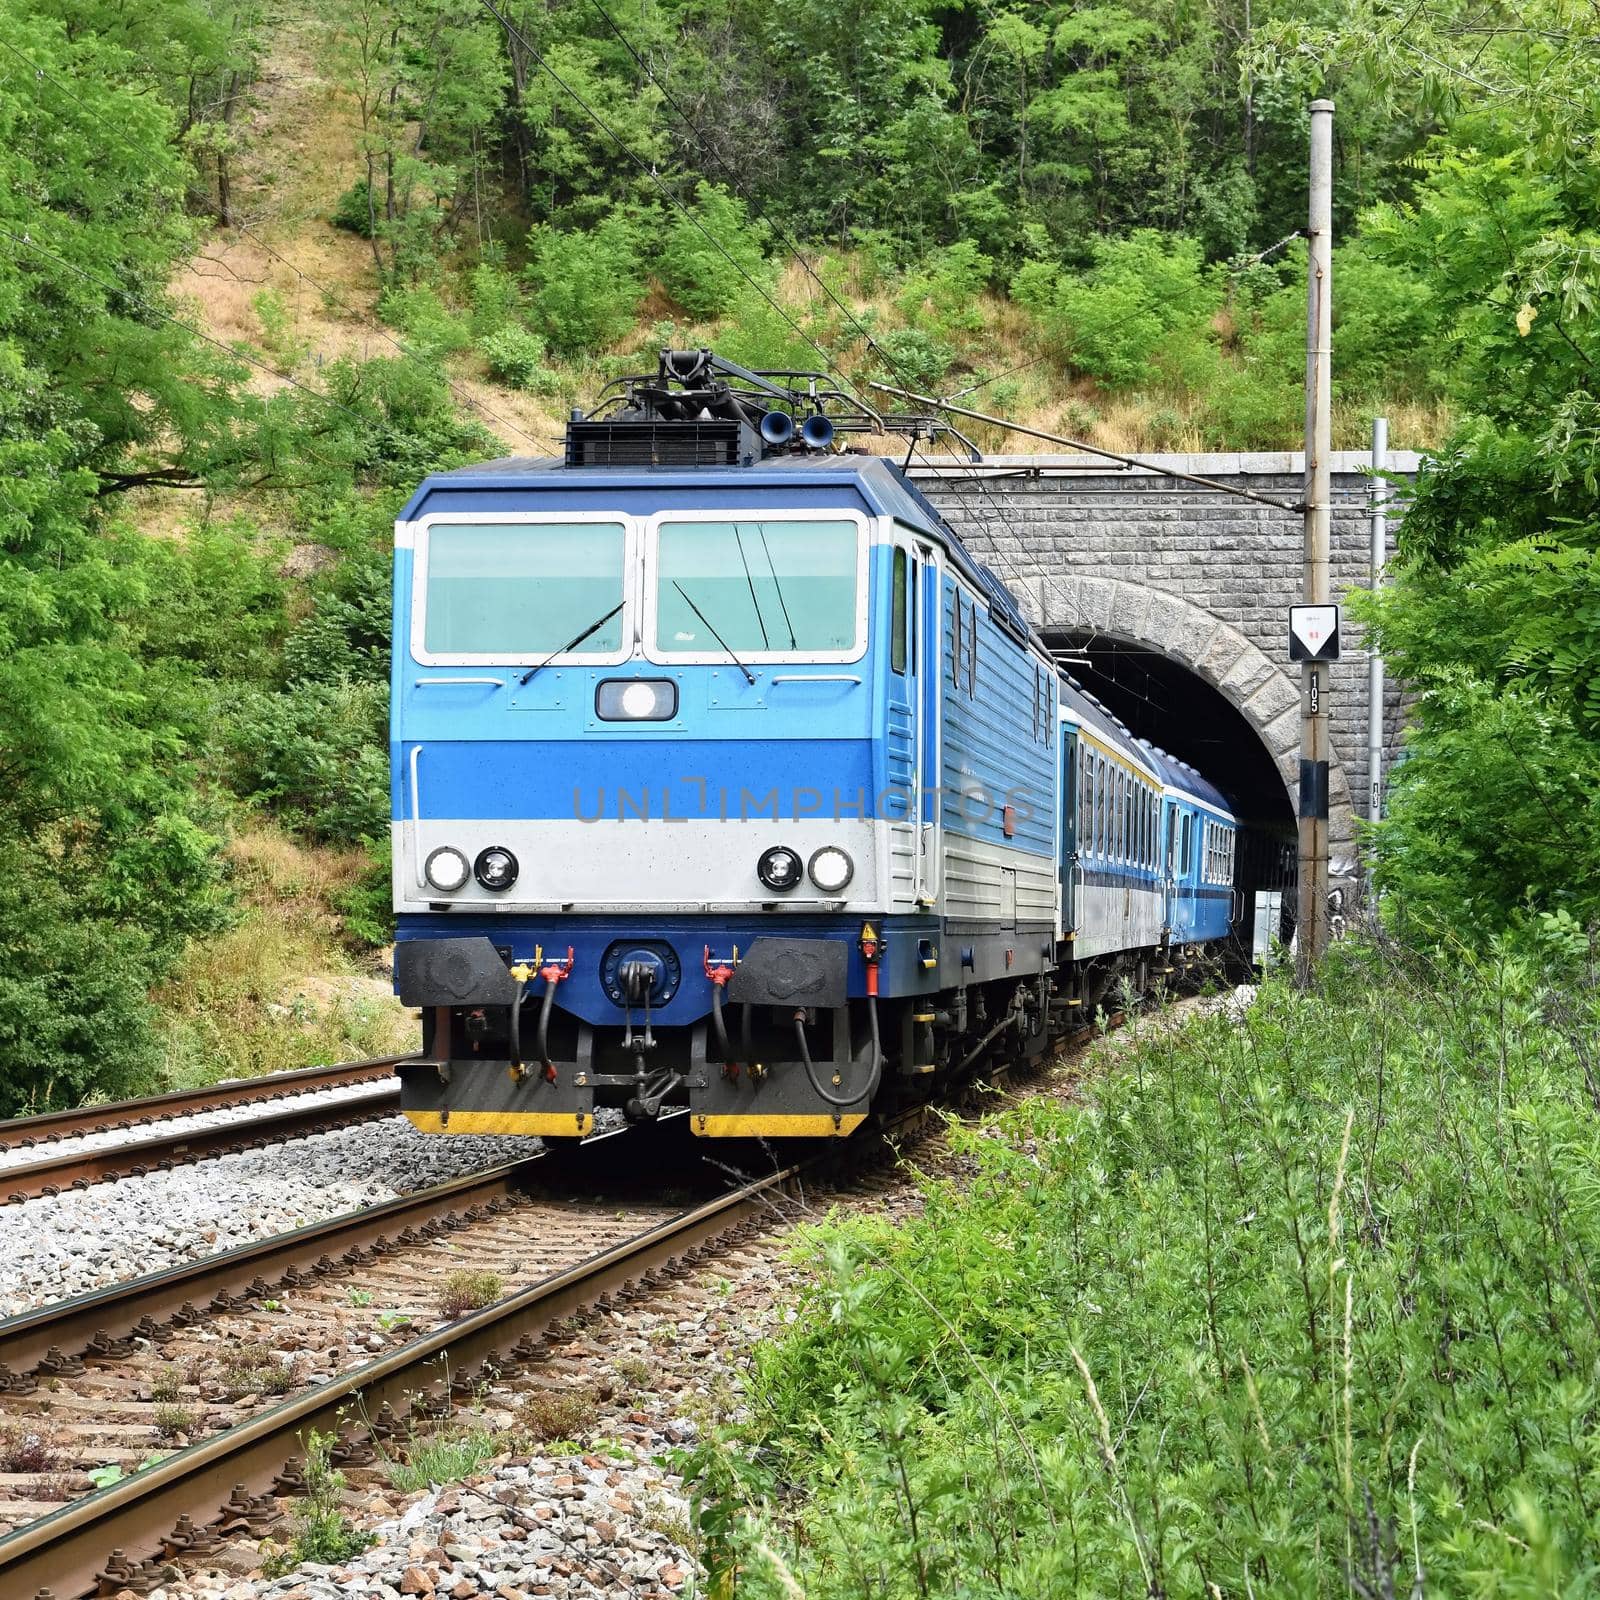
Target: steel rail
(99, 1323)
(67, 1550)
(122, 1115)
(82, 1169)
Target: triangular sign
(1313, 633)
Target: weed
(1306, 1287)
(170, 1421)
(469, 1290)
(548, 1414)
(24, 1451)
(167, 1385)
(323, 1533)
(444, 1457)
(104, 1477)
(388, 1321)
(249, 1369)
(54, 1486)
(636, 1373)
(359, 1297)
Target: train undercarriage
(515, 1063)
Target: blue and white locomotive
(725, 778)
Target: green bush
(915, 359)
(496, 298)
(1302, 1293)
(516, 358)
(367, 906)
(353, 210)
(1141, 296)
(317, 753)
(432, 330)
(942, 295)
(709, 256)
(586, 287)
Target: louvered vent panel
(711, 443)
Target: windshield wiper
(574, 642)
(766, 643)
(762, 529)
(749, 676)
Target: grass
(1303, 1304)
(469, 1290)
(167, 1384)
(444, 1457)
(170, 1421)
(279, 990)
(245, 1369)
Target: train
(726, 781)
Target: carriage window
(897, 615)
(756, 588)
(1100, 805)
(1085, 780)
(510, 591)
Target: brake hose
(843, 1101)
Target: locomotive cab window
(764, 589)
(511, 592)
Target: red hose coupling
(555, 971)
(720, 972)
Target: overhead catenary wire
(788, 242)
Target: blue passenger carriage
(725, 778)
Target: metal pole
(1311, 923)
(1379, 552)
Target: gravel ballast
(192, 1122)
(69, 1244)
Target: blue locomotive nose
(634, 971)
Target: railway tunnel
(1172, 600)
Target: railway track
(102, 1404)
(113, 1379)
(286, 1116)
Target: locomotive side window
(756, 588)
(898, 614)
(514, 590)
(964, 643)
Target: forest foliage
(1116, 185)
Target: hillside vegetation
(264, 265)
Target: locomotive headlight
(780, 868)
(636, 700)
(495, 868)
(831, 869)
(447, 869)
